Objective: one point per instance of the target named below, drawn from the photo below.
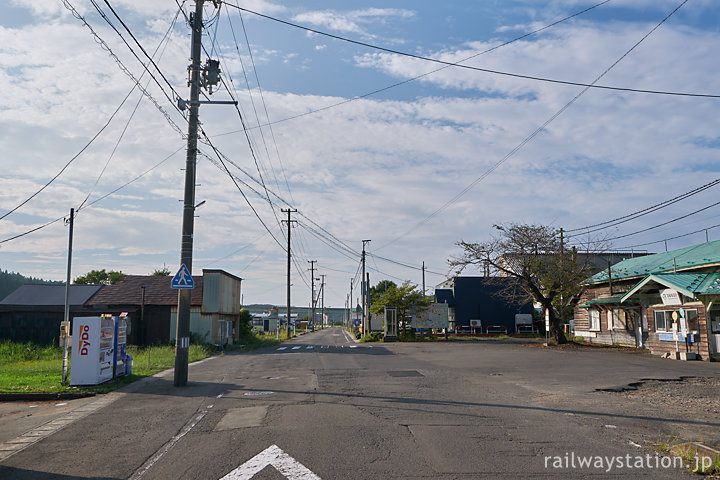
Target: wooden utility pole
(312, 292)
(322, 293)
(364, 291)
(66, 318)
(289, 222)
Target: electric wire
(132, 115)
(104, 45)
(122, 66)
(112, 192)
(640, 213)
(530, 137)
(664, 223)
(468, 67)
(262, 98)
(132, 51)
(383, 89)
(672, 238)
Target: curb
(39, 397)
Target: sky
(321, 128)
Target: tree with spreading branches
(548, 270)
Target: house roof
(688, 258)
(689, 284)
(128, 291)
(49, 295)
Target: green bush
(372, 337)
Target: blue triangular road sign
(182, 279)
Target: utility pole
(289, 222)
(66, 318)
(364, 290)
(312, 292)
(423, 270)
(199, 77)
(367, 299)
(182, 333)
(322, 293)
(562, 276)
(352, 307)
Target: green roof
(689, 284)
(681, 259)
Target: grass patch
(29, 368)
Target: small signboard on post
(182, 279)
(434, 316)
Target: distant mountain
(10, 281)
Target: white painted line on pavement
(166, 448)
(309, 347)
(274, 456)
(281, 348)
(295, 348)
(11, 447)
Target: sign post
(547, 325)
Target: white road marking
(282, 348)
(274, 456)
(296, 348)
(11, 447)
(166, 448)
(309, 347)
(257, 394)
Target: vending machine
(93, 350)
(120, 358)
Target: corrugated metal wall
(221, 294)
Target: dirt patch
(589, 346)
(694, 398)
(693, 394)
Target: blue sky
(376, 168)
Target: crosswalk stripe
(282, 348)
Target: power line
(383, 89)
(530, 137)
(97, 199)
(468, 67)
(640, 213)
(664, 223)
(132, 115)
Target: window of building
(692, 320)
(594, 319)
(616, 319)
(663, 321)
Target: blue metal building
(484, 299)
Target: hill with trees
(10, 281)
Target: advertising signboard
(435, 316)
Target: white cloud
(372, 168)
(351, 21)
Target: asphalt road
(323, 406)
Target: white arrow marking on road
(281, 461)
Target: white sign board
(435, 316)
(670, 297)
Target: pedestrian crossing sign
(182, 279)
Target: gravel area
(690, 397)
